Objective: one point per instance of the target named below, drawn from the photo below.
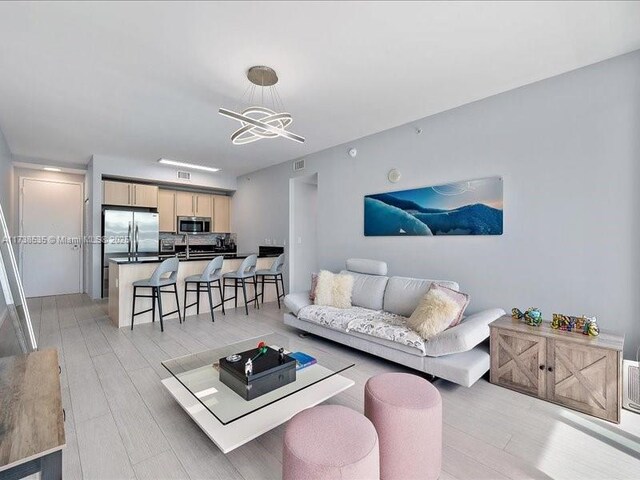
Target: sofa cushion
(370, 267)
(387, 326)
(332, 317)
(295, 301)
(368, 290)
(403, 294)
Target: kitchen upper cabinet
(185, 204)
(129, 194)
(145, 195)
(203, 205)
(116, 193)
(221, 214)
(167, 210)
(193, 205)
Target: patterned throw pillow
(438, 309)
(334, 290)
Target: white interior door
(51, 213)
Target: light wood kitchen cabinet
(221, 214)
(568, 368)
(185, 204)
(144, 196)
(193, 205)
(167, 210)
(129, 194)
(116, 193)
(203, 205)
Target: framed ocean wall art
(471, 207)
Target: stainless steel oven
(194, 225)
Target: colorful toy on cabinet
(583, 324)
(533, 316)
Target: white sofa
(377, 324)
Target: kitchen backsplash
(204, 239)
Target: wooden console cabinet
(574, 370)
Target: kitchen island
(124, 271)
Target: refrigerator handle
(129, 239)
(137, 237)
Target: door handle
(541, 367)
(550, 369)
(129, 239)
(137, 237)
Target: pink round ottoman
(330, 442)
(407, 413)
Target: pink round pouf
(407, 413)
(330, 442)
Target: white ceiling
(144, 80)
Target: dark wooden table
(31, 416)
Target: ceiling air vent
(298, 165)
(184, 175)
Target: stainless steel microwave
(194, 225)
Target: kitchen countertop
(158, 259)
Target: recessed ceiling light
(194, 166)
(52, 169)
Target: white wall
(6, 197)
(569, 151)
(303, 244)
(151, 171)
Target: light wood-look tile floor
(122, 423)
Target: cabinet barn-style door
(518, 361)
(583, 378)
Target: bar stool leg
(221, 295)
(133, 309)
(244, 292)
(282, 283)
(159, 294)
(198, 298)
(175, 291)
(277, 290)
(236, 293)
(210, 301)
(153, 307)
(186, 287)
(256, 304)
(262, 288)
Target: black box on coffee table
(269, 373)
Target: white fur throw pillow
(334, 290)
(434, 313)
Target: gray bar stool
(156, 283)
(240, 277)
(212, 273)
(272, 275)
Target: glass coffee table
(227, 418)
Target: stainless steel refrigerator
(127, 234)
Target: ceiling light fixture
(258, 122)
(194, 166)
(52, 169)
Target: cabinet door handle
(541, 367)
(550, 369)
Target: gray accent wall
(569, 150)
